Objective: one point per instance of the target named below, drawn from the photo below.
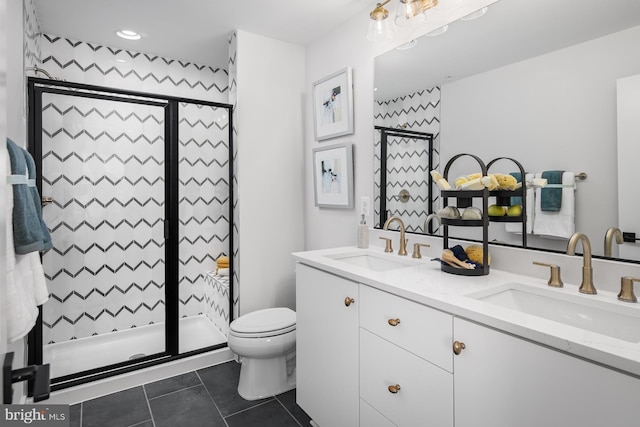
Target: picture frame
(333, 105)
(333, 176)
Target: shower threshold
(83, 354)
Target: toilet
(265, 341)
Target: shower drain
(136, 356)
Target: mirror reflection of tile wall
(407, 159)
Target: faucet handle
(416, 249)
(626, 289)
(387, 246)
(403, 246)
(555, 280)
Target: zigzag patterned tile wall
(104, 168)
(407, 159)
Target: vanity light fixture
(379, 25)
(128, 34)
(409, 13)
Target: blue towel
(551, 198)
(37, 201)
(29, 232)
(517, 200)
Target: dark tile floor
(206, 397)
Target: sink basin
(371, 261)
(586, 313)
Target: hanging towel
(516, 227)
(551, 198)
(560, 224)
(22, 311)
(37, 201)
(517, 200)
(28, 227)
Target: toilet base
(261, 378)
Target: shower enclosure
(137, 192)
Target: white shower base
(79, 355)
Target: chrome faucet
(587, 271)
(403, 241)
(608, 239)
(428, 219)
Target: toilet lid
(267, 320)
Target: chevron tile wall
(31, 27)
(233, 99)
(103, 165)
(407, 159)
(203, 194)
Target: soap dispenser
(363, 234)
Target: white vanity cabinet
(405, 360)
(327, 347)
(505, 381)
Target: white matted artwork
(333, 105)
(333, 176)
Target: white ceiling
(198, 30)
(511, 30)
(194, 30)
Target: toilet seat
(264, 323)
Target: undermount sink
(371, 261)
(578, 311)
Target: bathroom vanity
(384, 340)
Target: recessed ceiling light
(128, 34)
(408, 45)
(475, 15)
(438, 31)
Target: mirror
(532, 81)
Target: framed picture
(333, 105)
(333, 176)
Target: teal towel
(551, 198)
(29, 232)
(516, 200)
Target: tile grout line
(267, 400)
(144, 390)
(288, 412)
(211, 398)
(174, 392)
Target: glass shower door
(103, 166)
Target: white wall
(555, 111)
(16, 130)
(3, 171)
(270, 105)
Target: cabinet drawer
(369, 417)
(425, 395)
(422, 330)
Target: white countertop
(422, 281)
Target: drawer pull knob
(394, 322)
(458, 347)
(348, 301)
(394, 388)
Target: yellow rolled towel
(222, 262)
